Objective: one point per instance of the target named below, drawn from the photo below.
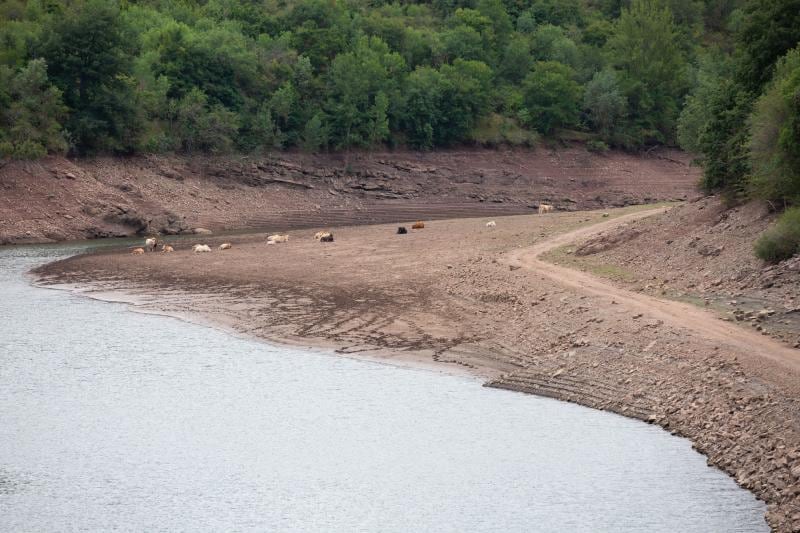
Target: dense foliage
(214, 76)
(782, 240)
(743, 114)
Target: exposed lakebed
(111, 419)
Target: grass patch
(564, 256)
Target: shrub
(497, 130)
(782, 240)
(597, 147)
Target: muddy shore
(459, 294)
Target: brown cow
(418, 225)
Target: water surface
(111, 419)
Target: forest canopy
(215, 76)
(720, 78)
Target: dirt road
(729, 336)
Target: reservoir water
(116, 420)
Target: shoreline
(57, 199)
(744, 419)
(133, 304)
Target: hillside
(56, 199)
(701, 252)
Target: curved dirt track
(677, 314)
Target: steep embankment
(57, 199)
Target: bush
(497, 130)
(597, 147)
(782, 240)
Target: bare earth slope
(480, 299)
(701, 253)
(56, 199)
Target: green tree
(723, 140)
(552, 97)
(604, 103)
(775, 134)
(315, 134)
(467, 98)
(715, 68)
(551, 44)
(357, 80)
(443, 106)
(516, 61)
(31, 112)
(557, 12)
(464, 42)
(203, 128)
(88, 60)
(422, 118)
(645, 51)
(770, 29)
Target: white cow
(277, 238)
(200, 248)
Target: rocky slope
(57, 199)
(702, 252)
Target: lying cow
(402, 230)
(544, 208)
(200, 248)
(418, 225)
(318, 235)
(326, 236)
(137, 251)
(225, 246)
(166, 248)
(491, 224)
(277, 238)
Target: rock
(202, 231)
(710, 251)
(70, 176)
(166, 224)
(171, 174)
(602, 243)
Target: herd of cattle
(151, 244)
